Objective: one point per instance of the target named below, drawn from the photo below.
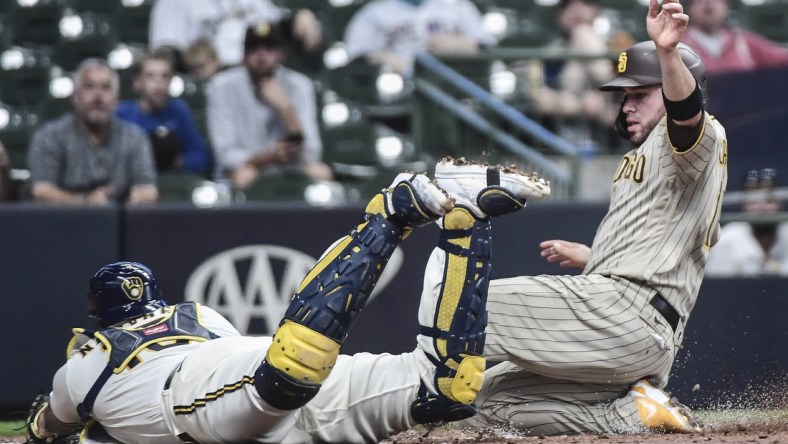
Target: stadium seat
(69, 53)
(279, 187)
(335, 20)
(131, 23)
(94, 6)
(529, 24)
(177, 187)
(36, 25)
(769, 20)
(16, 133)
(52, 108)
(6, 31)
(26, 85)
(358, 82)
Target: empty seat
(177, 187)
(17, 128)
(131, 22)
(280, 187)
(36, 25)
(26, 84)
(769, 19)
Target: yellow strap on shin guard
(302, 353)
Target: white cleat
(661, 413)
(488, 190)
(414, 200)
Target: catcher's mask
(121, 291)
(639, 66)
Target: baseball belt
(666, 310)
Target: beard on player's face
(644, 129)
(643, 108)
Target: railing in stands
(472, 108)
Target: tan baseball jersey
(575, 344)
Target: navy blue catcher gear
(121, 291)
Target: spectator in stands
(392, 32)
(753, 249)
(262, 116)
(178, 23)
(89, 156)
(176, 141)
(201, 60)
(5, 175)
(569, 100)
(725, 48)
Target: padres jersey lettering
(663, 218)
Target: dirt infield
(722, 426)
(728, 426)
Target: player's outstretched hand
(568, 254)
(665, 27)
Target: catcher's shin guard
(460, 317)
(306, 344)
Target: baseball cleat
(488, 190)
(413, 200)
(659, 412)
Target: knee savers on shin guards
(459, 322)
(297, 361)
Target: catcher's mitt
(31, 426)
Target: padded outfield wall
(246, 261)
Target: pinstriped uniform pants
(571, 346)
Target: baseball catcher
(158, 373)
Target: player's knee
(280, 390)
(297, 362)
(302, 353)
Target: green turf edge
(12, 428)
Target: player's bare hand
(666, 26)
(568, 254)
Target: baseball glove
(31, 427)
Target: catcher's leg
(307, 342)
(453, 310)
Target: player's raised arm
(681, 93)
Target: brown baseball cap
(264, 34)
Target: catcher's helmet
(639, 66)
(121, 291)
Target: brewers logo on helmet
(121, 291)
